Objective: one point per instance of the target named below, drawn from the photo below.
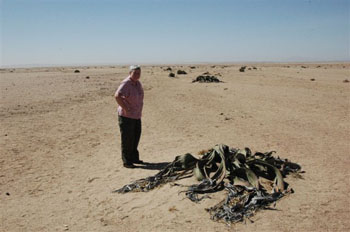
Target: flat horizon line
(168, 63)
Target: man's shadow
(152, 166)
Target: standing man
(129, 96)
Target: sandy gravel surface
(60, 145)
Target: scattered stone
(192, 67)
(92, 179)
(171, 75)
(124, 217)
(5, 134)
(242, 69)
(8, 194)
(87, 77)
(225, 88)
(213, 66)
(207, 79)
(206, 73)
(172, 209)
(249, 69)
(181, 72)
(312, 79)
(77, 71)
(346, 81)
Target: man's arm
(121, 102)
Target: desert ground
(60, 144)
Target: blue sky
(68, 32)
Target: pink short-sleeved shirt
(132, 94)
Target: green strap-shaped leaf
(186, 161)
(199, 172)
(279, 183)
(241, 182)
(252, 178)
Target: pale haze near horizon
(87, 32)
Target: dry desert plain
(60, 144)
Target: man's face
(135, 74)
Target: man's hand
(127, 109)
(122, 104)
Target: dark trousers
(130, 131)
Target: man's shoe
(139, 162)
(129, 166)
